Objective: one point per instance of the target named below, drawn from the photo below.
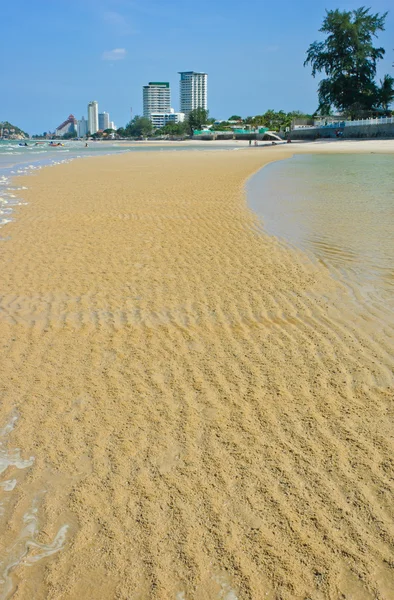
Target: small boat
(54, 145)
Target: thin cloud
(117, 22)
(115, 54)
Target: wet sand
(208, 412)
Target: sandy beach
(202, 412)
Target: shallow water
(337, 208)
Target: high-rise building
(82, 127)
(93, 117)
(112, 125)
(103, 121)
(68, 126)
(156, 98)
(193, 91)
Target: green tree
(223, 126)
(175, 129)
(386, 92)
(235, 118)
(197, 119)
(348, 58)
(138, 127)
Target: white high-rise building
(193, 91)
(159, 119)
(156, 98)
(93, 117)
(112, 125)
(82, 127)
(103, 121)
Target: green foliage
(173, 129)
(136, 128)
(348, 58)
(274, 120)
(8, 125)
(139, 127)
(223, 126)
(386, 92)
(70, 135)
(235, 118)
(197, 119)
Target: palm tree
(386, 92)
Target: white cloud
(117, 22)
(115, 54)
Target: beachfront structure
(82, 127)
(156, 97)
(68, 126)
(103, 121)
(93, 124)
(159, 119)
(193, 91)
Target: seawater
(337, 208)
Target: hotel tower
(193, 91)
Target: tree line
(198, 119)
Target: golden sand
(207, 410)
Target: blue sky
(56, 55)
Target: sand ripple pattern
(210, 412)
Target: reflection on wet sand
(23, 547)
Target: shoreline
(186, 386)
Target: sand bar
(208, 411)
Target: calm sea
(337, 208)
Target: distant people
(289, 140)
(86, 145)
(250, 142)
(255, 142)
(25, 144)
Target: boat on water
(55, 145)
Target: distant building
(112, 125)
(82, 127)
(193, 91)
(93, 124)
(159, 119)
(103, 121)
(156, 98)
(68, 126)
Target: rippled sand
(202, 412)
